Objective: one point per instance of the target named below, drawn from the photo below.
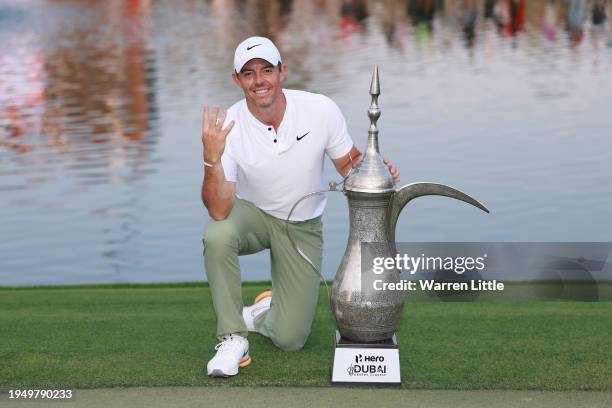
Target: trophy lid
(371, 175)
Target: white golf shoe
(232, 353)
(261, 304)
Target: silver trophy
(366, 349)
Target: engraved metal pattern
(363, 314)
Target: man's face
(261, 82)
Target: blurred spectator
(352, 14)
(576, 15)
(469, 15)
(550, 23)
(517, 16)
(422, 12)
(599, 13)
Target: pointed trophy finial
(374, 111)
(371, 175)
(375, 85)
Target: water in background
(100, 113)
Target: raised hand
(214, 135)
(393, 171)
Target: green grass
(122, 335)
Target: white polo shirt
(273, 169)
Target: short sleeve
(339, 142)
(230, 167)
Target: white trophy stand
(365, 363)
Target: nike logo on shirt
(303, 136)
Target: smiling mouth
(261, 91)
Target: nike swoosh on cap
(303, 136)
(252, 46)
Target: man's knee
(290, 341)
(220, 235)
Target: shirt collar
(260, 125)
(284, 137)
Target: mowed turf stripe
(101, 337)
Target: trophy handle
(410, 191)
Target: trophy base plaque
(365, 363)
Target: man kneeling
(268, 155)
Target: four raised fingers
(215, 121)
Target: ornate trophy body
(366, 350)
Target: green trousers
(295, 284)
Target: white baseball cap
(255, 47)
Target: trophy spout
(411, 191)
